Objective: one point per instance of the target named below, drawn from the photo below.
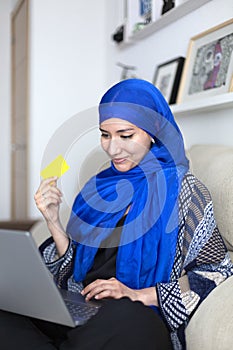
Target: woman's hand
(48, 199)
(112, 288)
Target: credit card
(57, 167)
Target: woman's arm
(48, 199)
(202, 261)
(60, 267)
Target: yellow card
(57, 167)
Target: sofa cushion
(213, 165)
(40, 231)
(212, 325)
(23, 225)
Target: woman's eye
(127, 136)
(105, 136)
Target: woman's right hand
(48, 199)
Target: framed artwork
(208, 66)
(167, 78)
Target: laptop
(28, 288)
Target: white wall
(67, 60)
(67, 70)
(166, 44)
(73, 60)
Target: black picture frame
(167, 78)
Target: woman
(141, 235)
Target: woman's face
(125, 143)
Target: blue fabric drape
(148, 241)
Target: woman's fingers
(50, 182)
(47, 189)
(104, 294)
(47, 198)
(51, 193)
(100, 289)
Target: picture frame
(208, 66)
(167, 78)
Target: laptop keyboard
(81, 310)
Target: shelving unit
(202, 105)
(166, 19)
(207, 104)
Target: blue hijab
(148, 241)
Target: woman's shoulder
(193, 197)
(190, 183)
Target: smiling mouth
(119, 160)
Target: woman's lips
(119, 160)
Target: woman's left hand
(112, 288)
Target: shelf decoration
(126, 71)
(146, 10)
(135, 27)
(142, 13)
(208, 67)
(167, 78)
(118, 36)
(167, 5)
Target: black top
(104, 266)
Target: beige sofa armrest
(213, 165)
(40, 230)
(211, 327)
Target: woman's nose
(114, 147)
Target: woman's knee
(134, 324)
(18, 332)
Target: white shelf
(216, 102)
(166, 19)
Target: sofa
(211, 327)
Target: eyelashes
(105, 136)
(124, 137)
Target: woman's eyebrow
(119, 131)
